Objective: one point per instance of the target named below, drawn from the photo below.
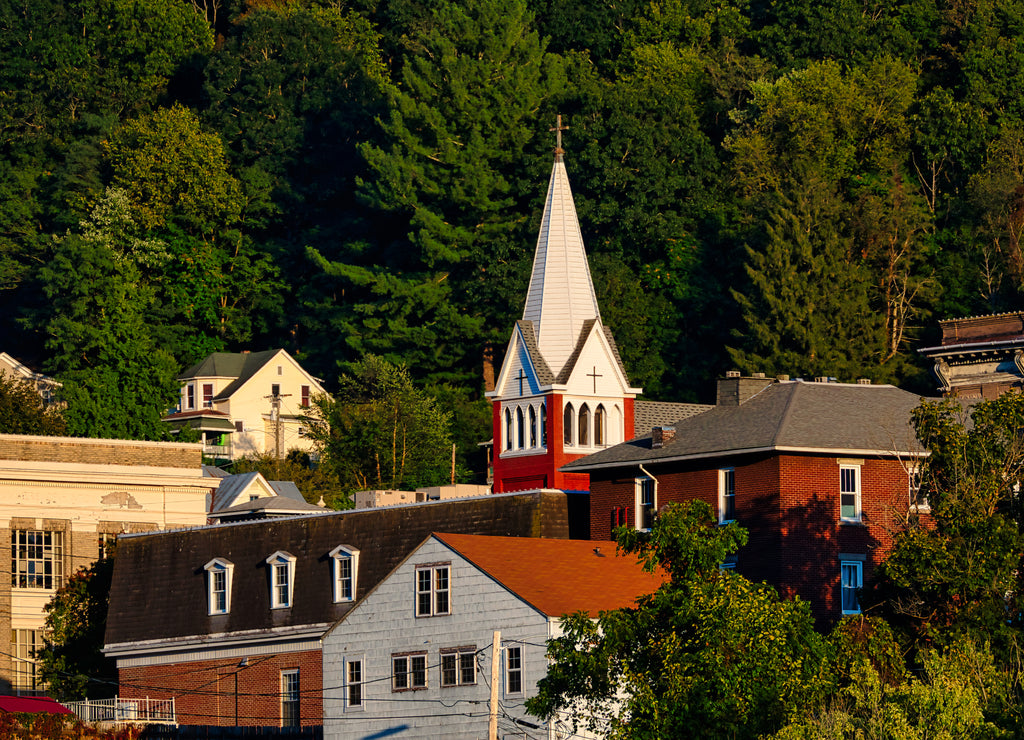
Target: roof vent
(820, 378)
(863, 381)
(757, 375)
(732, 373)
(782, 378)
(661, 436)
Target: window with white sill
(345, 564)
(849, 493)
(433, 590)
(282, 579)
(219, 574)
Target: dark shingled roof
(650, 414)
(793, 415)
(540, 365)
(238, 365)
(158, 591)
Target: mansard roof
(790, 416)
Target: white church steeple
(561, 295)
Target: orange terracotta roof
(559, 577)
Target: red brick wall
(789, 505)
(204, 691)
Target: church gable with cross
(562, 392)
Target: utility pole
(492, 725)
(275, 416)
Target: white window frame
(434, 592)
(856, 569)
(543, 425)
(225, 568)
(461, 661)
(26, 680)
(639, 483)
(190, 396)
(290, 696)
(854, 470)
(726, 490)
(514, 670)
(355, 684)
(569, 425)
(408, 672)
(914, 485)
(345, 554)
(509, 433)
(37, 559)
(280, 563)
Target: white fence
(125, 711)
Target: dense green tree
(316, 482)
(71, 661)
(710, 654)
(22, 410)
(381, 431)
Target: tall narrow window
(282, 579)
(543, 424)
(646, 500)
(207, 395)
(584, 432)
(508, 429)
(533, 427)
(599, 426)
(106, 542)
(37, 559)
(432, 591)
(513, 670)
(354, 684)
(849, 492)
(852, 578)
(218, 585)
(190, 396)
(520, 431)
(275, 390)
(726, 495)
(305, 396)
(346, 568)
(568, 423)
(918, 499)
(26, 680)
(290, 698)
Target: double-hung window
(646, 501)
(726, 495)
(190, 396)
(514, 670)
(282, 579)
(849, 493)
(26, 680)
(37, 559)
(353, 684)
(433, 590)
(207, 395)
(851, 580)
(918, 499)
(345, 561)
(290, 698)
(458, 666)
(218, 585)
(408, 672)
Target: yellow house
(247, 403)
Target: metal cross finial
(558, 129)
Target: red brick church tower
(562, 392)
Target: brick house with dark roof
(227, 617)
(819, 473)
(415, 656)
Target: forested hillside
(799, 187)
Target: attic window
(280, 370)
(218, 585)
(282, 579)
(345, 564)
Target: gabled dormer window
(345, 566)
(282, 579)
(218, 585)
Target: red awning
(32, 704)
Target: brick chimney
(735, 389)
(661, 436)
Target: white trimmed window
(849, 493)
(207, 395)
(345, 563)
(726, 495)
(354, 684)
(433, 591)
(533, 427)
(851, 573)
(458, 666)
(37, 559)
(543, 424)
(190, 396)
(409, 672)
(918, 500)
(583, 436)
(290, 716)
(514, 670)
(218, 585)
(509, 433)
(26, 680)
(520, 429)
(646, 501)
(600, 426)
(568, 424)
(282, 579)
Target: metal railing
(125, 711)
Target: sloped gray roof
(650, 414)
(790, 415)
(287, 489)
(278, 505)
(238, 365)
(540, 365)
(230, 487)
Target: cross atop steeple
(558, 129)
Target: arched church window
(520, 432)
(584, 433)
(533, 427)
(599, 435)
(543, 424)
(568, 422)
(508, 429)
